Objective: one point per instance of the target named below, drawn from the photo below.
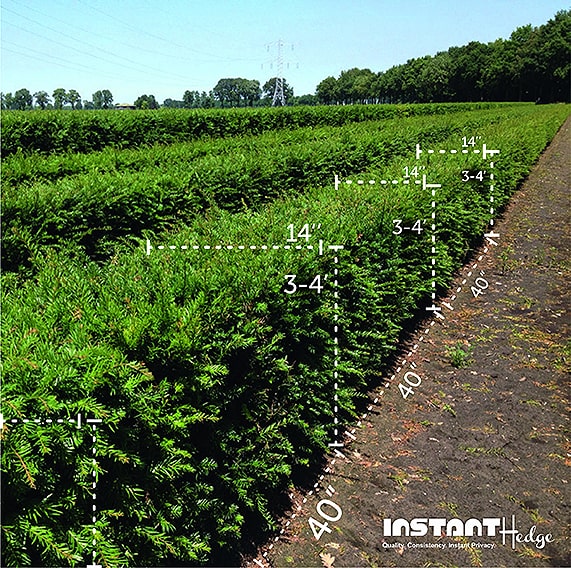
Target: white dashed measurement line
(335, 345)
(484, 151)
(149, 247)
(78, 421)
(491, 222)
(320, 247)
(407, 362)
(94, 495)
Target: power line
(23, 54)
(45, 57)
(51, 40)
(224, 36)
(114, 63)
(92, 33)
(118, 41)
(143, 67)
(152, 35)
(66, 63)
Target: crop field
(196, 302)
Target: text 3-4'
(293, 286)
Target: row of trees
(244, 92)
(22, 99)
(237, 92)
(532, 64)
(227, 93)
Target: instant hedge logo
(485, 527)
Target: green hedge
(93, 200)
(87, 131)
(214, 386)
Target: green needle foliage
(92, 200)
(56, 132)
(214, 387)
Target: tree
(237, 91)
(223, 92)
(522, 67)
(354, 85)
(191, 99)
(526, 61)
(146, 102)
(194, 99)
(42, 99)
(392, 84)
(7, 101)
(60, 97)
(171, 103)
(361, 89)
(73, 98)
(226, 93)
(107, 98)
(533, 63)
(88, 105)
(556, 36)
(22, 99)
(326, 91)
(467, 70)
(250, 92)
(269, 89)
(377, 87)
(305, 100)
(434, 78)
(206, 100)
(97, 99)
(102, 99)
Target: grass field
(211, 361)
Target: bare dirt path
(486, 432)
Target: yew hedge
(93, 200)
(214, 387)
(55, 131)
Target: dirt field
(486, 432)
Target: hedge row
(111, 195)
(214, 386)
(88, 131)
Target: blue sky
(164, 47)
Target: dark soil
(486, 433)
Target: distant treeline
(534, 64)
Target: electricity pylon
(279, 94)
(279, 87)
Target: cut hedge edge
(212, 384)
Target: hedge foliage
(87, 131)
(94, 199)
(213, 385)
